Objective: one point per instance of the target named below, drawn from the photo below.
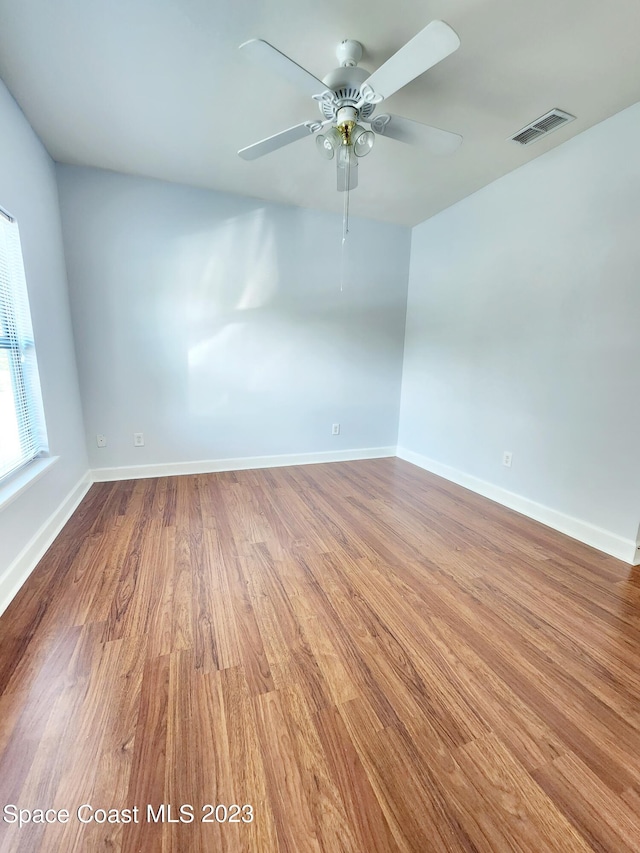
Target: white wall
(522, 331)
(215, 324)
(28, 191)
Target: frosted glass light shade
(328, 143)
(362, 140)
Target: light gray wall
(28, 191)
(522, 330)
(216, 325)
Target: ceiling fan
(348, 96)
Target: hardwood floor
(370, 658)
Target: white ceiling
(158, 88)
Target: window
(22, 428)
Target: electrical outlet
(507, 456)
(138, 439)
(101, 440)
(335, 429)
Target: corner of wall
(603, 540)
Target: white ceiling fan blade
(432, 44)
(267, 56)
(415, 133)
(279, 140)
(347, 169)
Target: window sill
(22, 479)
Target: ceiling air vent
(541, 127)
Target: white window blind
(22, 428)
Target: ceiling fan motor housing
(349, 52)
(345, 83)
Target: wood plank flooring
(361, 656)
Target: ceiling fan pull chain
(345, 225)
(345, 210)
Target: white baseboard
(26, 561)
(211, 466)
(14, 577)
(610, 543)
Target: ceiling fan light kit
(348, 96)
(362, 140)
(328, 143)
